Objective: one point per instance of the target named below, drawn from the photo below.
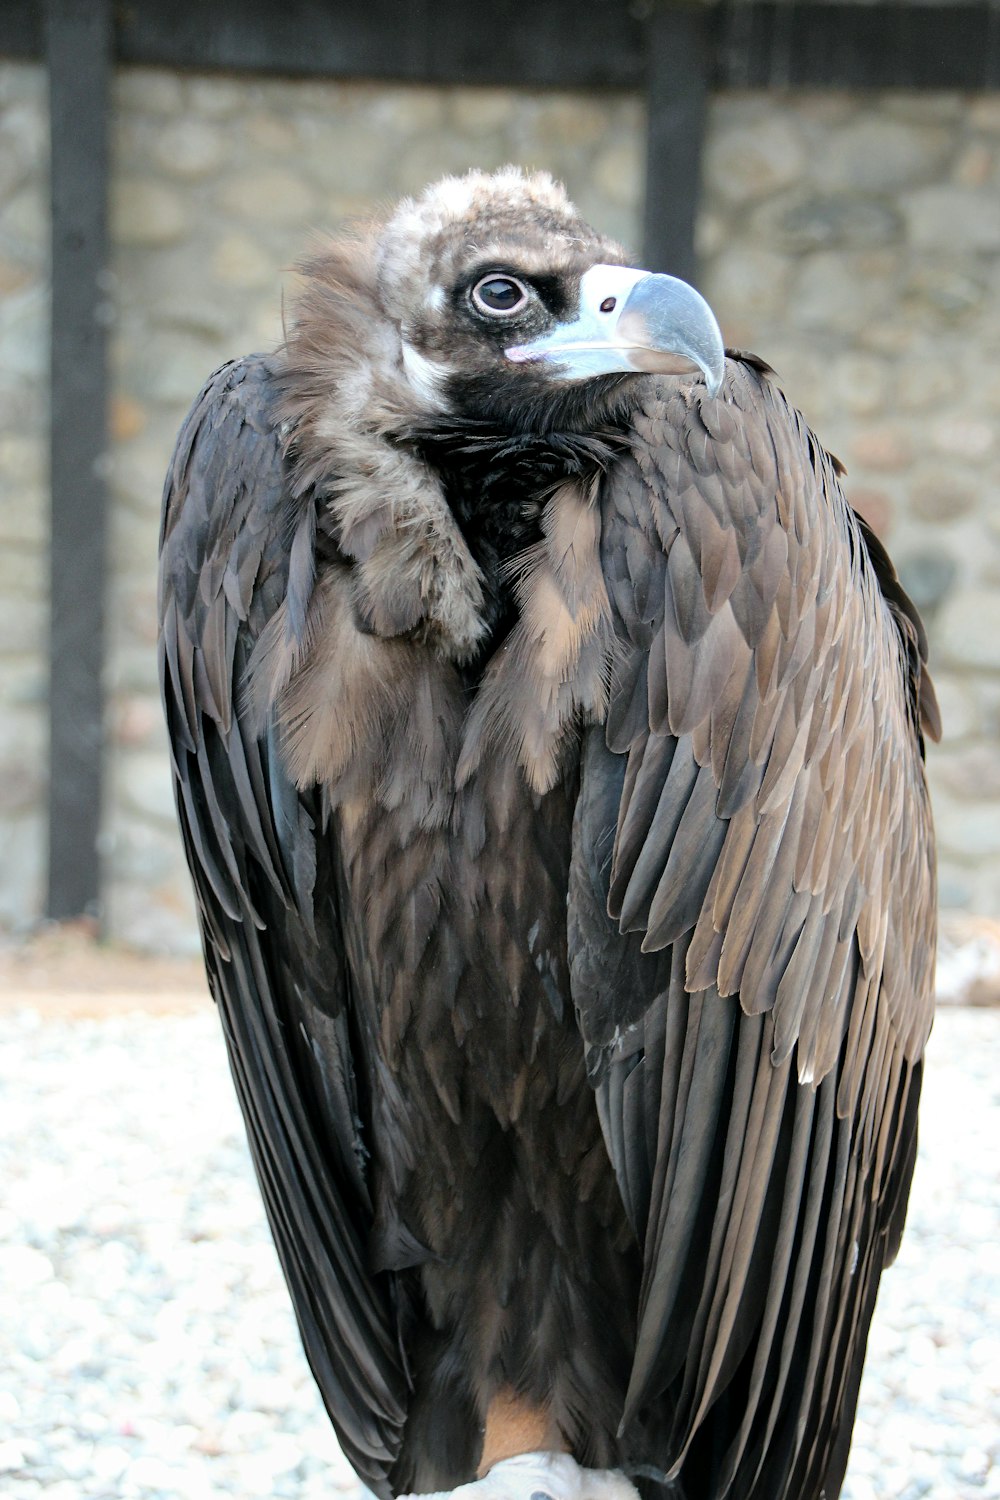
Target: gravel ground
(147, 1348)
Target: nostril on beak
(609, 304)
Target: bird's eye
(499, 296)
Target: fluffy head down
(479, 219)
(434, 249)
(381, 338)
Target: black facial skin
(522, 399)
(549, 302)
(512, 431)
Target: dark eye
(499, 296)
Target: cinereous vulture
(548, 742)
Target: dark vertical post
(78, 45)
(677, 95)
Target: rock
(22, 785)
(23, 507)
(24, 685)
(484, 111)
(427, 156)
(841, 291)
(144, 784)
(14, 277)
(219, 98)
(239, 261)
(138, 723)
(22, 1268)
(943, 494)
(174, 366)
(961, 713)
(966, 437)
(618, 172)
(272, 135)
(23, 623)
(127, 417)
(190, 148)
(137, 483)
(265, 328)
(928, 578)
(23, 756)
(625, 116)
(711, 234)
(971, 774)
(975, 165)
(21, 869)
(940, 290)
(875, 505)
(926, 380)
(802, 369)
(269, 196)
(620, 223)
(146, 213)
(134, 606)
(402, 110)
(132, 668)
(968, 629)
(953, 218)
(24, 141)
(24, 347)
(802, 221)
(884, 334)
(970, 832)
(919, 107)
(861, 382)
(875, 154)
(984, 113)
(887, 449)
(26, 222)
(746, 286)
(743, 165)
(148, 91)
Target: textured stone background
(854, 241)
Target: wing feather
(773, 866)
(267, 896)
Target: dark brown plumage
(549, 763)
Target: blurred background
(849, 234)
(829, 175)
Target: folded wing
(752, 929)
(235, 546)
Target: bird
(547, 734)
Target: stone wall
(854, 241)
(24, 522)
(219, 186)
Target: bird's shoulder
(767, 695)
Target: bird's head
(484, 308)
(510, 307)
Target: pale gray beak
(632, 320)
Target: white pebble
(148, 1335)
(21, 1267)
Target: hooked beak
(632, 320)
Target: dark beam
(882, 45)
(78, 44)
(556, 43)
(22, 29)
(676, 101)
